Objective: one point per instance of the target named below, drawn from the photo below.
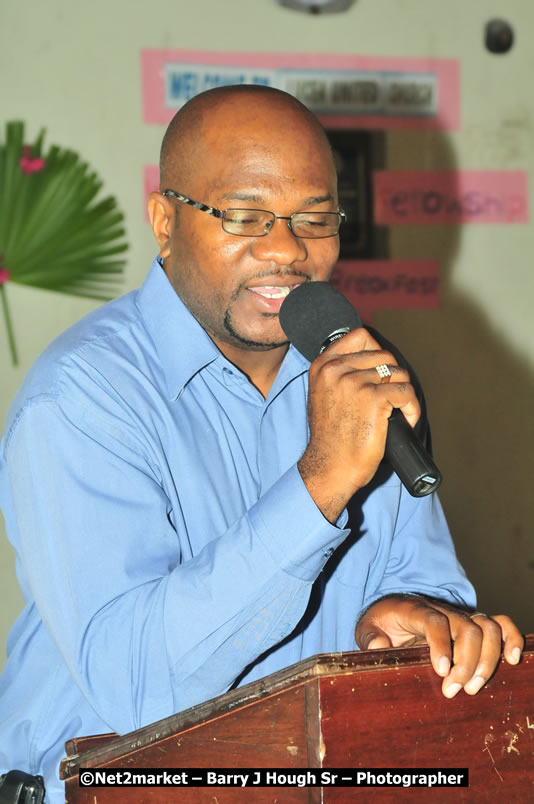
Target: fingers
(365, 364)
(404, 620)
(474, 657)
(357, 372)
(352, 370)
(407, 622)
(512, 638)
(464, 649)
(357, 350)
(378, 641)
(354, 359)
(490, 652)
(436, 630)
(477, 650)
(348, 413)
(358, 340)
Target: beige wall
(74, 67)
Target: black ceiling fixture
(498, 36)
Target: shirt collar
(183, 346)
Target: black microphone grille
(314, 311)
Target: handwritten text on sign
(467, 196)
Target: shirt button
(329, 552)
(228, 376)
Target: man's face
(234, 285)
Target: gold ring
(383, 372)
(477, 614)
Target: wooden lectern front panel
(397, 717)
(269, 733)
(372, 710)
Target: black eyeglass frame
(221, 213)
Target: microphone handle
(409, 457)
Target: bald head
(252, 111)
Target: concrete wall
(74, 68)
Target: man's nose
(280, 245)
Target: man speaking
(194, 506)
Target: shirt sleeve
(143, 633)
(420, 557)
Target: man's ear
(161, 215)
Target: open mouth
(272, 292)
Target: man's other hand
(464, 648)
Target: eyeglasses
(259, 222)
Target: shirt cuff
(292, 528)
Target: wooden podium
(370, 709)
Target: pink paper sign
(466, 196)
(388, 284)
(344, 90)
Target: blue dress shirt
(165, 542)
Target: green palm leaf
(54, 231)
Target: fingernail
(444, 666)
(451, 690)
(516, 655)
(474, 685)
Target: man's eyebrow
(235, 195)
(259, 199)
(317, 199)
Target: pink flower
(4, 275)
(28, 164)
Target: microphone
(313, 316)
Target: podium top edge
(317, 666)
